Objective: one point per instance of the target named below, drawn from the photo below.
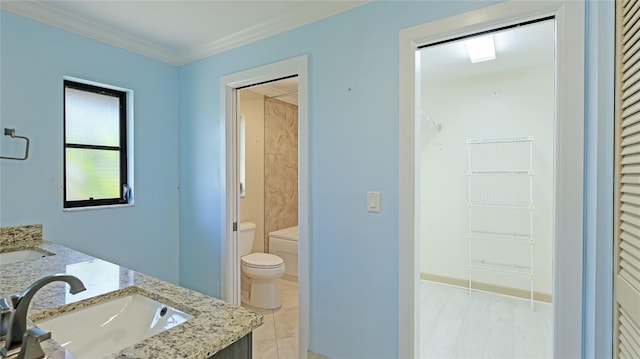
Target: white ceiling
(517, 49)
(284, 90)
(178, 32)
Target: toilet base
(263, 294)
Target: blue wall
(353, 148)
(598, 186)
(34, 58)
(353, 130)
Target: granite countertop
(214, 326)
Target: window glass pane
(92, 173)
(92, 118)
(243, 151)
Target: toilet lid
(262, 260)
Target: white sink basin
(108, 327)
(21, 256)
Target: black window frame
(122, 149)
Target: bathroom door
(230, 251)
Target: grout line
(277, 350)
(272, 313)
(275, 333)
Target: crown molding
(41, 12)
(257, 32)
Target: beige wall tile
(274, 113)
(280, 166)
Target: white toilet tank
(246, 233)
(284, 244)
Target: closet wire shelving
(494, 187)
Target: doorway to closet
(568, 171)
(486, 168)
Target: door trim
(230, 270)
(569, 157)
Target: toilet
(259, 271)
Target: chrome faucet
(18, 339)
(5, 312)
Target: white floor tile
(289, 298)
(457, 324)
(264, 349)
(267, 330)
(286, 321)
(277, 338)
(287, 348)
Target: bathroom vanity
(209, 328)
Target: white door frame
(569, 155)
(230, 271)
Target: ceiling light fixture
(481, 48)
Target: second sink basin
(22, 255)
(107, 327)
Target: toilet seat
(262, 261)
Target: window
(95, 145)
(243, 151)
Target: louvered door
(627, 236)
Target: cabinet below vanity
(239, 349)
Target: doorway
(486, 155)
(230, 86)
(569, 172)
(268, 166)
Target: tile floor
(454, 324)
(277, 338)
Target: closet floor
(457, 324)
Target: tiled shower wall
(280, 166)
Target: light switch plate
(373, 201)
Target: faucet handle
(31, 344)
(4, 305)
(5, 314)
